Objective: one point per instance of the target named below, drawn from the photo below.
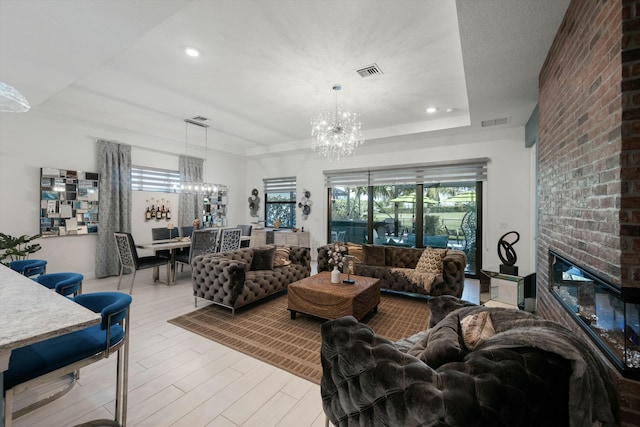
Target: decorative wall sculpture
(305, 204)
(254, 203)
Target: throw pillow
(356, 251)
(475, 328)
(281, 257)
(373, 255)
(262, 259)
(431, 260)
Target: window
(433, 205)
(280, 201)
(151, 179)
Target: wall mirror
(68, 202)
(215, 207)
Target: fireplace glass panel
(603, 310)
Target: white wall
(33, 140)
(507, 193)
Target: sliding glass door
(440, 215)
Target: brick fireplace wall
(588, 156)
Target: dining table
(30, 313)
(172, 245)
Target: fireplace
(609, 314)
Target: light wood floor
(177, 378)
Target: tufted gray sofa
(226, 278)
(450, 283)
(530, 372)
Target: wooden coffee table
(317, 296)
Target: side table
(524, 292)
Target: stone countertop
(30, 312)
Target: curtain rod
(153, 150)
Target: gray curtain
(114, 206)
(191, 205)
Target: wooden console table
(280, 237)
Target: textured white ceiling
(267, 66)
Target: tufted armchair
(527, 372)
(236, 278)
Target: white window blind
(470, 170)
(152, 179)
(279, 185)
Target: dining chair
(164, 233)
(130, 260)
(186, 231)
(63, 283)
(230, 239)
(29, 267)
(202, 242)
(246, 231)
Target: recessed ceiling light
(431, 110)
(192, 51)
(450, 110)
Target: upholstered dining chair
(186, 231)
(63, 283)
(129, 259)
(202, 242)
(29, 267)
(246, 231)
(230, 239)
(164, 233)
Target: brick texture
(589, 156)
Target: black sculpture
(507, 254)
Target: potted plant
(16, 248)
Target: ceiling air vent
(495, 122)
(369, 71)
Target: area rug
(266, 331)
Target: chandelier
(196, 187)
(336, 134)
(12, 101)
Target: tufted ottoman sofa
(526, 371)
(236, 278)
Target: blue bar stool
(29, 267)
(48, 360)
(63, 283)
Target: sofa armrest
(366, 380)
(453, 266)
(323, 258)
(218, 278)
(300, 255)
